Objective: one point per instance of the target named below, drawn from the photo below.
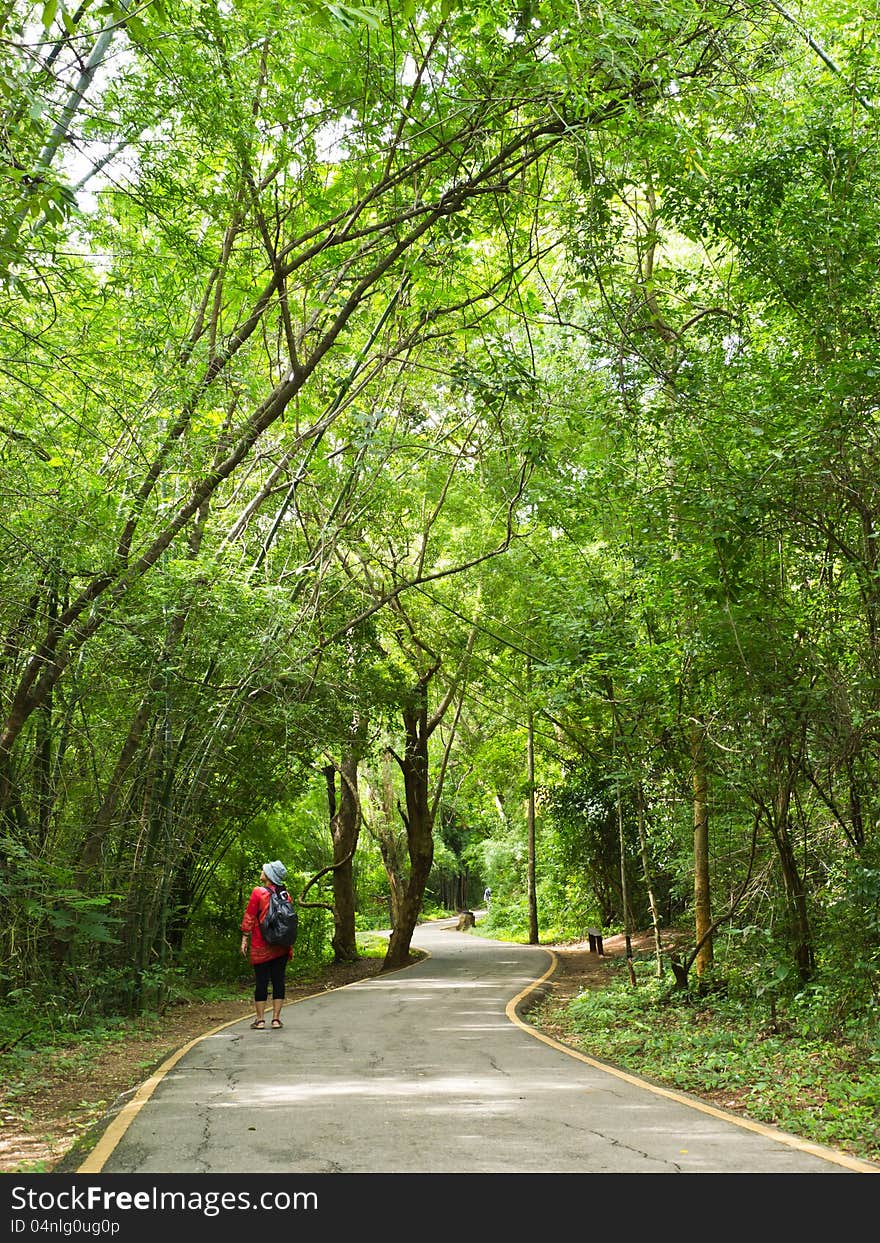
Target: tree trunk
(646, 872)
(344, 829)
(88, 870)
(419, 827)
(624, 891)
(780, 827)
(532, 886)
(702, 883)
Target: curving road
(427, 1070)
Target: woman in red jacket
(269, 961)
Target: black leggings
(274, 970)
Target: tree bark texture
(793, 883)
(419, 827)
(702, 881)
(344, 829)
(532, 884)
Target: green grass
(42, 1040)
(807, 1062)
(39, 1033)
(371, 946)
(821, 1087)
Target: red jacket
(258, 904)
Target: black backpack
(280, 924)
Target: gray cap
(276, 872)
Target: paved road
(426, 1070)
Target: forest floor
(79, 1084)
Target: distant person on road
(487, 896)
(269, 961)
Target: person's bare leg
(277, 1003)
(260, 1007)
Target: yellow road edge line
(98, 1157)
(111, 1137)
(747, 1124)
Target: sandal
(258, 1024)
(277, 1023)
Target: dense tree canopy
(386, 386)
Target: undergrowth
(45, 1038)
(780, 1062)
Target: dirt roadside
(77, 1090)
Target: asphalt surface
(426, 1070)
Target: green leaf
(137, 29)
